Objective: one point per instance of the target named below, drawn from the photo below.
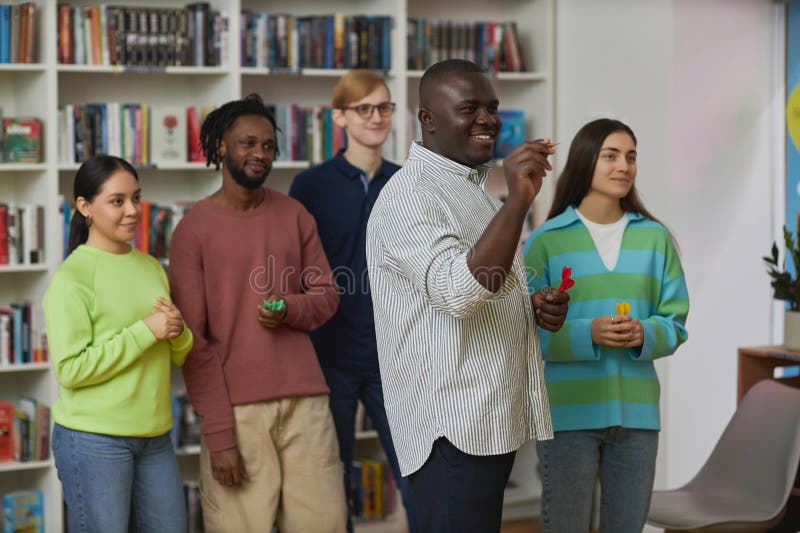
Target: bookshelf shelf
(22, 67)
(500, 76)
(122, 69)
(190, 450)
(27, 367)
(368, 434)
(194, 166)
(291, 165)
(304, 72)
(22, 167)
(6, 269)
(16, 466)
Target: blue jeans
(626, 460)
(119, 484)
(346, 389)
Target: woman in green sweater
(113, 334)
(627, 308)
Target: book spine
(3, 234)
(5, 33)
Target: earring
(88, 222)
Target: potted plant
(786, 287)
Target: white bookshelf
(40, 89)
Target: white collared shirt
(456, 360)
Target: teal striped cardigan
(592, 386)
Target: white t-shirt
(607, 238)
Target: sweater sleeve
(319, 298)
(179, 346)
(573, 342)
(420, 244)
(77, 360)
(665, 330)
(202, 371)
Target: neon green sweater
(114, 374)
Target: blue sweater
(592, 386)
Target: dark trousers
(347, 388)
(455, 492)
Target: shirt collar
(353, 172)
(570, 216)
(476, 175)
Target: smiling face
(461, 120)
(248, 150)
(370, 132)
(114, 212)
(615, 170)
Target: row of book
(492, 45)
(18, 33)
(291, 42)
(20, 140)
(144, 37)
(21, 234)
(372, 490)
(24, 430)
(22, 334)
(139, 133)
(162, 135)
(23, 512)
(155, 229)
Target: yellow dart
(623, 308)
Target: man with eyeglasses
(340, 194)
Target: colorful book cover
(512, 133)
(6, 431)
(22, 139)
(23, 512)
(169, 141)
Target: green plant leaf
(784, 286)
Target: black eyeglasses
(385, 109)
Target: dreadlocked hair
(218, 121)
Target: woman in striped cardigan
(628, 307)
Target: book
(6, 431)
(22, 140)
(169, 141)
(5, 33)
(23, 512)
(3, 234)
(512, 132)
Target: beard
(240, 176)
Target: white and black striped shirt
(456, 360)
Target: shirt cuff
(142, 335)
(182, 341)
(221, 440)
(464, 282)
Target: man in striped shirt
(457, 343)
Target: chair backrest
(759, 450)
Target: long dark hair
(218, 121)
(576, 179)
(89, 179)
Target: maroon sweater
(223, 263)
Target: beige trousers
(295, 475)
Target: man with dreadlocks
(269, 452)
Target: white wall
(693, 78)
